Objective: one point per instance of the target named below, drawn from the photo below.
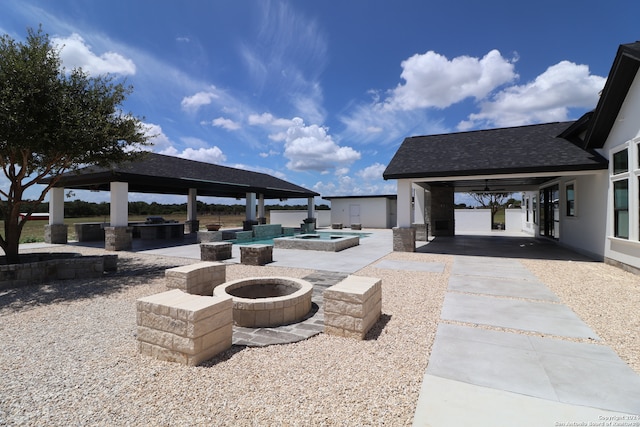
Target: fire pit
(266, 302)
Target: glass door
(550, 211)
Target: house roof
(529, 149)
(623, 72)
(161, 174)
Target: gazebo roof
(161, 174)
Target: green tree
(52, 121)
(493, 201)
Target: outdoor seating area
(178, 320)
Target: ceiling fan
(486, 188)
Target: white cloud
(311, 148)
(286, 59)
(546, 99)
(432, 80)
(208, 155)
(75, 52)
(159, 140)
(224, 123)
(194, 102)
(270, 153)
(373, 172)
(269, 119)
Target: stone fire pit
(266, 302)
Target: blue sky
(322, 93)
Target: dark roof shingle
(523, 149)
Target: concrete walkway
(507, 353)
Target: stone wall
(57, 267)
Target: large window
(621, 209)
(570, 194)
(620, 162)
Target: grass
(33, 231)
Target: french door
(550, 211)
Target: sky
(322, 93)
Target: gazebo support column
(118, 237)
(192, 224)
(404, 235)
(420, 214)
(262, 217)
(250, 212)
(56, 231)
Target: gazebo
(161, 174)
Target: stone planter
(213, 227)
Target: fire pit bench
(197, 279)
(177, 327)
(352, 306)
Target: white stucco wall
(513, 219)
(472, 220)
(585, 232)
(294, 218)
(626, 130)
(371, 212)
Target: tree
(53, 121)
(493, 201)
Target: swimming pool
(322, 235)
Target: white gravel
(68, 351)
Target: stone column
(191, 225)
(118, 238)
(404, 235)
(442, 211)
(404, 239)
(56, 231)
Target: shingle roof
(523, 149)
(623, 72)
(161, 174)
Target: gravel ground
(68, 357)
(605, 297)
(68, 351)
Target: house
(580, 180)
(369, 211)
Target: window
(620, 162)
(621, 209)
(570, 194)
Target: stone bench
(196, 279)
(352, 306)
(215, 251)
(256, 254)
(336, 226)
(356, 226)
(177, 327)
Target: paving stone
(310, 326)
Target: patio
(511, 287)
